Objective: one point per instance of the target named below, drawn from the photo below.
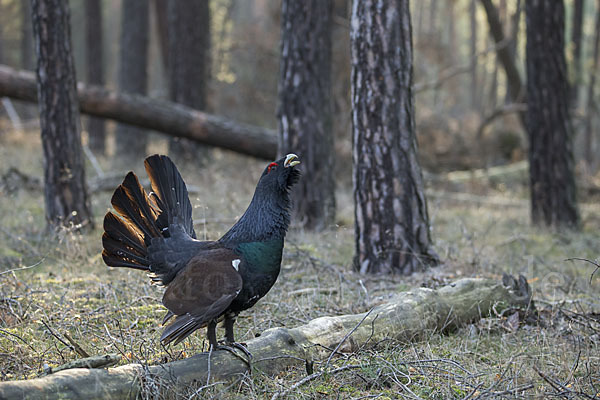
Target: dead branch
(500, 112)
(163, 116)
(406, 317)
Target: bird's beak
(291, 160)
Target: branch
(163, 116)
(407, 316)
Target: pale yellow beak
(291, 160)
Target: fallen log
(163, 116)
(408, 316)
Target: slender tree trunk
(553, 200)
(95, 70)
(576, 40)
(514, 43)
(1, 40)
(591, 103)
(433, 12)
(133, 75)
(26, 37)
(305, 124)
(161, 13)
(513, 78)
(475, 104)
(451, 21)
(65, 192)
(391, 223)
(189, 65)
(27, 52)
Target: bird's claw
(232, 346)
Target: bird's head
(280, 175)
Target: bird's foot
(232, 347)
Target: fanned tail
(170, 193)
(146, 229)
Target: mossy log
(407, 316)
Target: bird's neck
(266, 218)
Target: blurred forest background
(465, 116)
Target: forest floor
(54, 285)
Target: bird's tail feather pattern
(141, 218)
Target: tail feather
(118, 254)
(122, 231)
(170, 193)
(131, 202)
(182, 327)
(151, 232)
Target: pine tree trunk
(132, 74)
(590, 144)
(65, 192)
(391, 221)
(515, 22)
(553, 201)
(95, 70)
(305, 124)
(161, 12)
(26, 37)
(475, 103)
(189, 65)
(513, 77)
(576, 40)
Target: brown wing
(201, 292)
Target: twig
(590, 261)
(559, 387)
(346, 337)
(76, 346)
(58, 337)
(93, 161)
(210, 350)
(312, 378)
(499, 112)
(8, 271)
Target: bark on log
(170, 118)
(408, 316)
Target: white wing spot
(236, 264)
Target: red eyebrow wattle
(273, 164)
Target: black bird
(207, 281)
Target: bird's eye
(272, 166)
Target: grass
(57, 284)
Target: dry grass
(68, 290)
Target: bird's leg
(211, 333)
(229, 336)
(229, 321)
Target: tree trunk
(95, 70)
(26, 37)
(576, 40)
(591, 102)
(65, 193)
(514, 42)
(172, 119)
(553, 201)
(132, 75)
(305, 121)
(189, 65)
(475, 103)
(391, 221)
(504, 54)
(406, 317)
(161, 11)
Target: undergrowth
(55, 285)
